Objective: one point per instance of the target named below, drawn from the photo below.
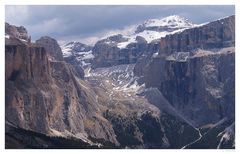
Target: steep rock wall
(45, 96)
(195, 71)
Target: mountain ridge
(128, 97)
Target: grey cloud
(63, 22)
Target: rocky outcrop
(17, 32)
(45, 96)
(182, 94)
(198, 87)
(32, 60)
(143, 60)
(195, 71)
(46, 101)
(51, 46)
(55, 54)
(107, 53)
(217, 34)
(79, 55)
(127, 49)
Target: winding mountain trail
(200, 137)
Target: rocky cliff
(17, 32)
(55, 53)
(46, 101)
(128, 48)
(216, 34)
(45, 95)
(51, 46)
(195, 71)
(79, 55)
(201, 87)
(180, 93)
(107, 53)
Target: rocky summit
(167, 84)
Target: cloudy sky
(89, 23)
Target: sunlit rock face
(46, 96)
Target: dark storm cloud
(65, 22)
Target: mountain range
(165, 84)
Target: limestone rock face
(217, 34)
(199, 87)
(107, 53)
(127, 48)
(45, 96)
(195, 69)
(51, 46)
(55, 53)
(180, 93)
(143, 60)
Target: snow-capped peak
(170, 21)
(149, 30)
(75, 48)
(153, 29)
